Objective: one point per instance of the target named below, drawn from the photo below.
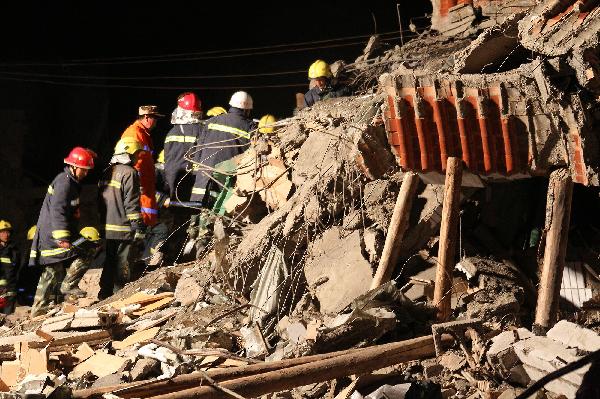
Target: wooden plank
(141, 298)
(136, 337)
(558, 207)
(153, 306)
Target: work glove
(139, 235)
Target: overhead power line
(92, 77)
(189, 58)
(242, 49)
(123, 86)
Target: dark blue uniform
(223, 137)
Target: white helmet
(241, 99)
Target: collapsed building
(414, 240)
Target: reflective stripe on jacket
(10, 259)
(57, 221)
(119, 192)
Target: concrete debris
(337, 284)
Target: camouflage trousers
(56, 280)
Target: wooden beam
(358, 362)
(448, 238)
(396, 230)
(558, 218)
(137, 388)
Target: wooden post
(358, 362)
(396, 230)
(448, 238)
(558, 217)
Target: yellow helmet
(214, 111)
(90, 233)
(31, 232)
(265, 125)
(319, 69)
(128, 145)
(4, 225)
(161, 157)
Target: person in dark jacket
(186, 120)
(120, 209)
(27, 277)
(223, 137)
(10, 259)
(322, 86)
(56, 225)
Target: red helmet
(81, 157)
(189, 101)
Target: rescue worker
(140, 131)
(51, 246)
(120, 210)
(223, 137)
(322, 85)
(186, 120)
(28, 277)
(214, 111)
(10, 259)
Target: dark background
(45, 109)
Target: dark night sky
(43, 38)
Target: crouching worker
(51, 246)
(120, 209)
(9, 260)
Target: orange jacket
(145, 168)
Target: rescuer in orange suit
(140, 131)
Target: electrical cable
(209, 52)
(143, 87)
(186, 59)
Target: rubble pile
(288, 299)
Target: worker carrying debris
(186, 119)
(322, 84)
(51, 246)
(10, 259)
(223, 137)
(120, 210)
(140, 131)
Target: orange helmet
(81, 158)
(189, 101)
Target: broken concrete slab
(574, 336)
(100, 364)
(336, 269)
